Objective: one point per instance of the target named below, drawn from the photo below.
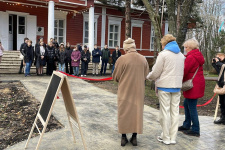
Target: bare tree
(128, 18)
(207, 31)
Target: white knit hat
(128, 44)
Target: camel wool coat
(130, 72)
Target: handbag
(21, 57)
(187, 85)
(217, 89)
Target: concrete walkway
(97, 110)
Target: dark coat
(22, 47)
(79, 48)
(39, 61)
(218, 66)
(194, 59)
(68, 54)
(61, 56)
(96, 53)
(114, 58)
(50, 53)
(85, 55)
(28, 53)
(105, 54)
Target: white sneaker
(85, 75)
(82, 75)
(173, 142)
(161, 140)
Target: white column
(91, 41)
(103, 27)
(51, 19)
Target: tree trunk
(171, 17)
(156, 23)
(185, 16)
(178, 14)
(128, 19)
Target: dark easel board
(57, 82)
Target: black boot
(124, 141)
(133, 139)
(220, 121)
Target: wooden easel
(57, 82)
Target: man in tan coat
(130, 71)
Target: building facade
(87, 22)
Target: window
(114, 27)
(86, 32)
(21, 25)
(10, 24)
(59, 30)
(113, 35)
(152, 38)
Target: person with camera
(217, 63)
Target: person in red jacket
(194, 60)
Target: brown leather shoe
(124, 141)
(133, 141)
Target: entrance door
(21, 28)
(12, 32)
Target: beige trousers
(95, 68)
(169, 114)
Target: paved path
(97, 110)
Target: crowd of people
(64, 58)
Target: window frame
(58, 36)
(86, 19)
(152, 32)
(18, 25)
(114, 21)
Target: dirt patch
(152, 100)
(18, 109)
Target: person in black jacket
(105, 59)
(22, 47)
(115, 55)
(40, 58)
(96, 54)
(50, 53)
(68, 59)
(61, 56)
(217, 64)
(28, 54)
(85, 59)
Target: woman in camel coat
(131, 76)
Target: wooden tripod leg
(217, 105)
(81, 133)
(71, 127)
(32, 129)
(41, 135)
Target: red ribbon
(90, 79)
(209, 101)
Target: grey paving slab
(97, 110)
